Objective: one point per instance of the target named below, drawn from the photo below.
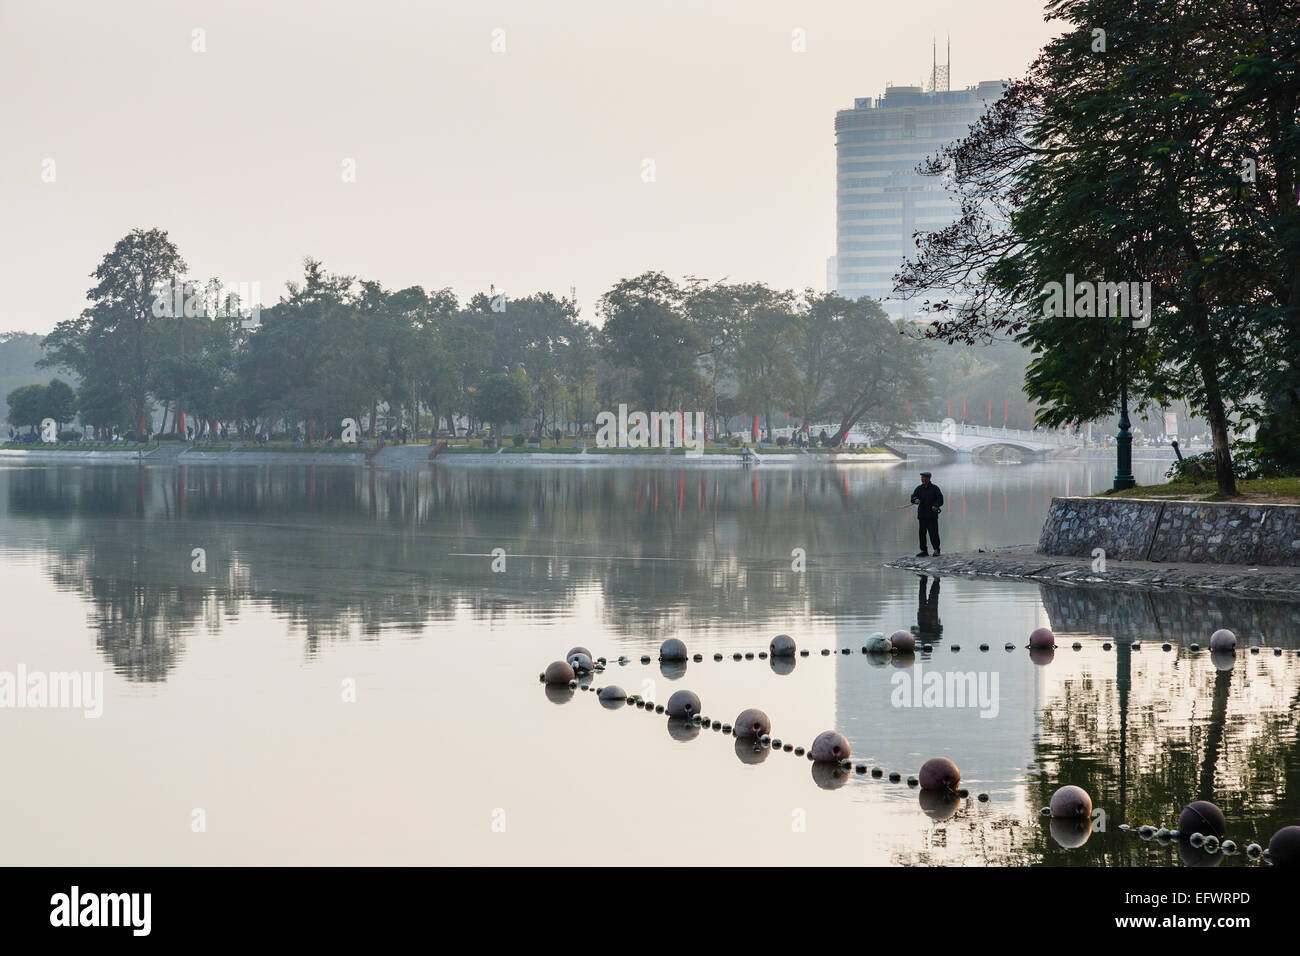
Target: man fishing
(929, 501)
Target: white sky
(521, 168)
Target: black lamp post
(1124, 445)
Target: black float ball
(558, 672)
(1223, 640)
(1042, 637)
(902, 642)
(612, 696)
(672, 650)
(1071, 802)
(939, 773)
(683, 703)
(1284, 847)
(830, 746)
(752, 723)
(1201, 816)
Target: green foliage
(1128, 166)
(60, 401)
(1201, 468)
(500, 399)
(648, 337)
(117, 337)
(336, 348)
(20, 355)
(27, 405)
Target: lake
(339, 675)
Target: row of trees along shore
(335, 347)
(1162, 147)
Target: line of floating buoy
(1203, 826)
(782, 651)
(831, 754)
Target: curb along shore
(1022, 561)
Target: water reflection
(928, 627)
(340, 556)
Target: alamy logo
(947, 689)
(1099, 299)
(103, 909)
(180, 297)
(651, 430)
(72, 690)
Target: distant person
(928, 500)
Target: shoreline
(413, 456)
(1022, 562)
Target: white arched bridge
(962, 441)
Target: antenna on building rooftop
(938, 74)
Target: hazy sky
(522, 168)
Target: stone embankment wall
(1195, 532)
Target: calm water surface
(225, 690)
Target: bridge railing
(1043, 436)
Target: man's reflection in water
(927, 627)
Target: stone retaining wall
(1194, 532)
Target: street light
(1124, 445)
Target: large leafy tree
(60, 402)
(27, 405)
(502, 398)
(103, 404)
(873, 367)
(117, 330)
(1126, 165)
(762, 356)
(647, 334)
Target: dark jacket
(928, 496)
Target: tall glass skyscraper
(880, 199)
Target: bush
(517, 440)
(782, 441)
(733, 441)
(69, 435)
(1201, 468)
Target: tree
(501, 398)
(438, 382)
(117, 330)
(762, 353)
(60, 402)
(1126, 166)
(873, 366)
(647, 334)
(27, 405)
(103, 404)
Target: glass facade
(881, 200)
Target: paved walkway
(1021, 561)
